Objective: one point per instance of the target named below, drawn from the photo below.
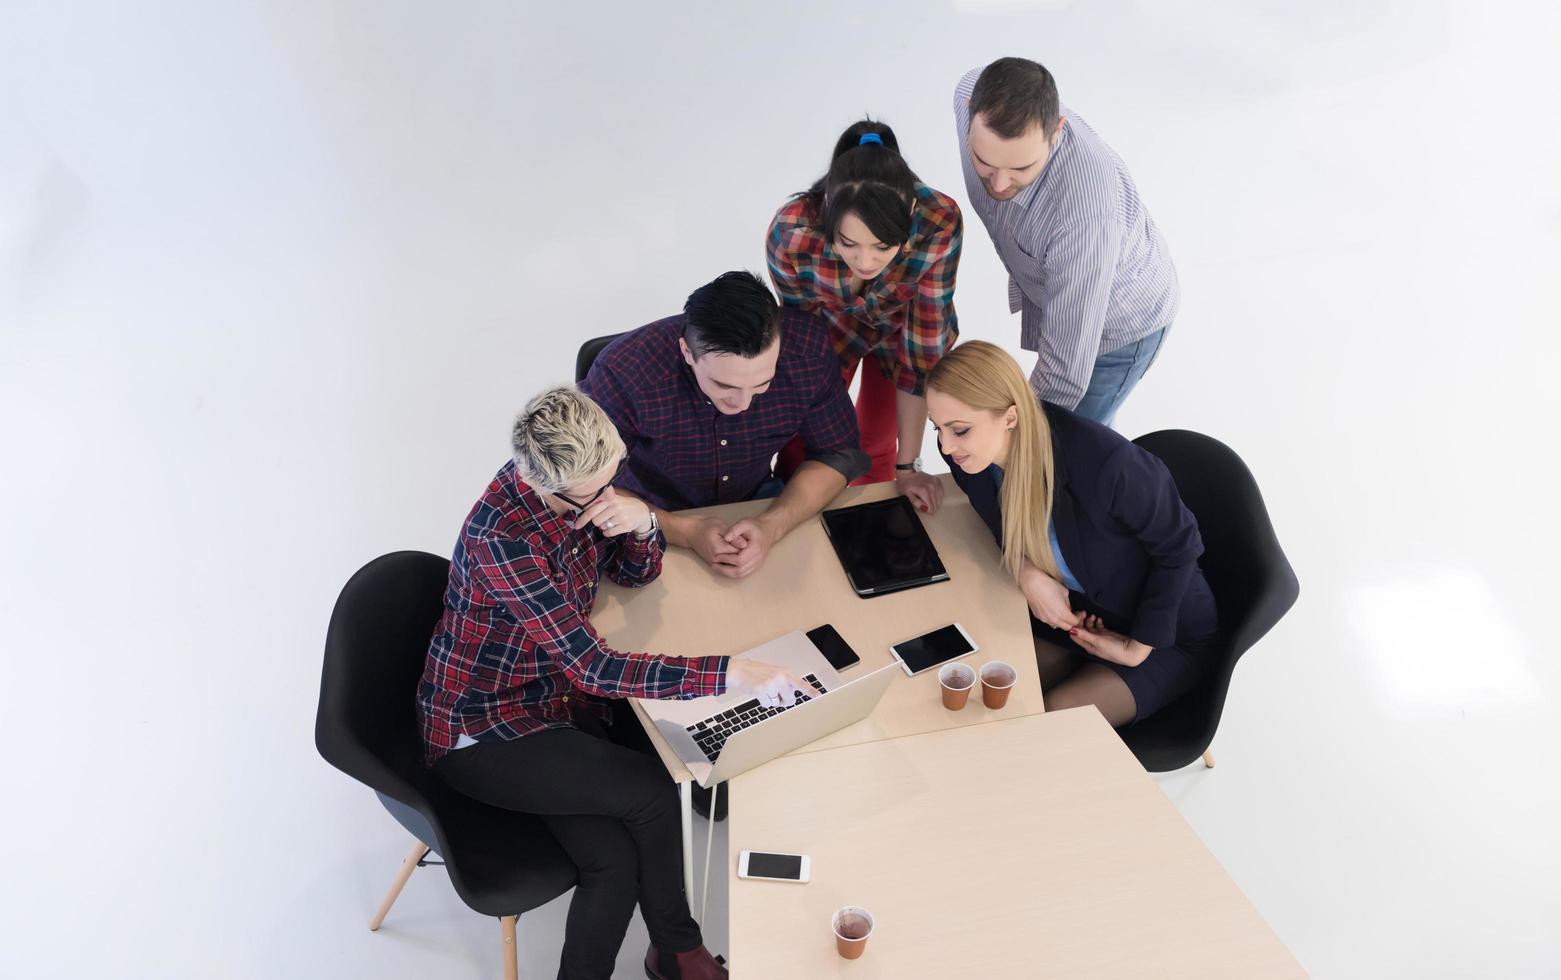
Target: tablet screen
(883, 545)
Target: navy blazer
(1122, 527)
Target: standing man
(1087, 267)
(705, 400)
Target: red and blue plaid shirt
(905, 316)
(515, 652)
(683, 452)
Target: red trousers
(875, 416)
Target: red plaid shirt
(905, 317)
(514, 652)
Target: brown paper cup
(997, 680)
(956, 680)
(852, 925)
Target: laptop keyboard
(711, 734)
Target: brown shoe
(696, 964)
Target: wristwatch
(655, 526)
(914, 466)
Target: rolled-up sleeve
(829, 431)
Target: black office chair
(501, 863)
(588, 352)
(1252, 581)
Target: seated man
(705, 400)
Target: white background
(275, 277)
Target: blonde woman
(1091, 527)
(521, 702)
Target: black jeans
(614, 810)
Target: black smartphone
(834, 648)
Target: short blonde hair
(562, 438)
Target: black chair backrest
(374, 654)
(1242, 560)
(1247, 570)
(588, 352)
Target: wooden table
(693, 611)
(1034, 846)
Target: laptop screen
(883, 545)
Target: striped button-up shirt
(515, 652)
(905, 317)
(1089, 271)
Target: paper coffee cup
(956, 680)
(997, 680)
(852, 925)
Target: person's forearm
(911, 415)
(678, 530)
(808, 491)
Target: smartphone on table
(766, 866)
(833, 646)
(930, 650)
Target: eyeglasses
(579, 505)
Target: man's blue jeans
(1115, 375)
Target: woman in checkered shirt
(874, 251)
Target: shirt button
(566, 699)
(723, 442)
(576, 551)
(725, 478)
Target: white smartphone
(931, 649)
(773, 867)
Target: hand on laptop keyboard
(773, 687)
(711, 734)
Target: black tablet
(883, 547)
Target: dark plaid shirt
(684, 453)
(514, 652)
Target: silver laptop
(721, 737)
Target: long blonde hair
(987, 378)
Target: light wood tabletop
(1030, 847)
(692, 611)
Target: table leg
(686, 796)
(704, 893)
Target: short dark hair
(735, 314)
(869, 179)
(1013, 95)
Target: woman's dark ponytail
(867, 177)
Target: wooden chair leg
(511, 964)
(407, 867)
(1208, 760)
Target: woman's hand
(1093, 636)
(775, 687)
(1048, 599)
(925, 491)
(614, 515)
